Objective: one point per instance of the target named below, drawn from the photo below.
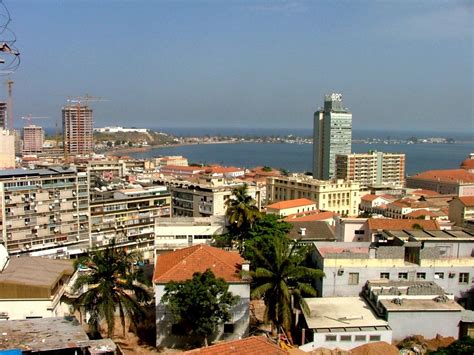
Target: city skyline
(262, 64)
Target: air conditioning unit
(340, 272)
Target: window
(358, 232)
(331, 338)
(463, 277)
(228, 328)
(345, 338)
(421, 275)
(439, 275)
(353, 278)
(385, 275)
(374, 338)
(361, 338)
(403, 275)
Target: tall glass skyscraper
(332, 134)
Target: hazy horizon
(400, 65)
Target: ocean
(298, 157)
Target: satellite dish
(4, 258)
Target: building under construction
(33, 138)
(77, 130)
(3, 115)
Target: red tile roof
(468, 164)
(424, 192)
(299, 202)
(249, 346)
(467, 201)
(310, 216)
(422, 212)
(451, 175)
(401, 224)
(369, 197)
(181, 264)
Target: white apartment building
(7, 149)
(372, 168)
(43, 208)
(339, 196)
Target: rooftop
(310, 216)
(35, 271)
(180, 265)
(341, 312)
(256, 345)
(467, 201)
(449, 176)
(41, 334)
(410, 304)
(401, 224)
(300, 202)
(325, 251)
(317, 230)
(18, 173)
(399, 288)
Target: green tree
(283, 281)
(113, 281)
(463, 346)
(267, 169)
(109, 144)
(199, 305)
(260, 237)
(241, 213)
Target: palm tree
(241, 212)
(283, 281)
(113, 281)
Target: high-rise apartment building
(7, 149)
(3, 115)
(332, 134)
(33, 138)
(43, 208)
(77, 129)
(372, 168)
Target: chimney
(246, 266)
(303, 231)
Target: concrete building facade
(204, 197)
(128, 215)
(458, 182)
(332, 135)
(180, 265)
(77, 130)
(461, 211)
(339, 196)
(372, 168)
(414, 307)
(7, 149)
(3, 115)
(43, 208)
(443, 257)
(33, 139)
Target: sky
(400, 65)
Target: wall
(239, 313)
(428, 324)
(20, 309)
(319, 340)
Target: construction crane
(9, 83)
(29, 117)
(81, 103)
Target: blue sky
(399, 64)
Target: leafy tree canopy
(200, 304)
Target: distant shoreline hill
(150, 137)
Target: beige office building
(372, 168)
(7, 149)
(339, 196)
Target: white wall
(319, 340)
